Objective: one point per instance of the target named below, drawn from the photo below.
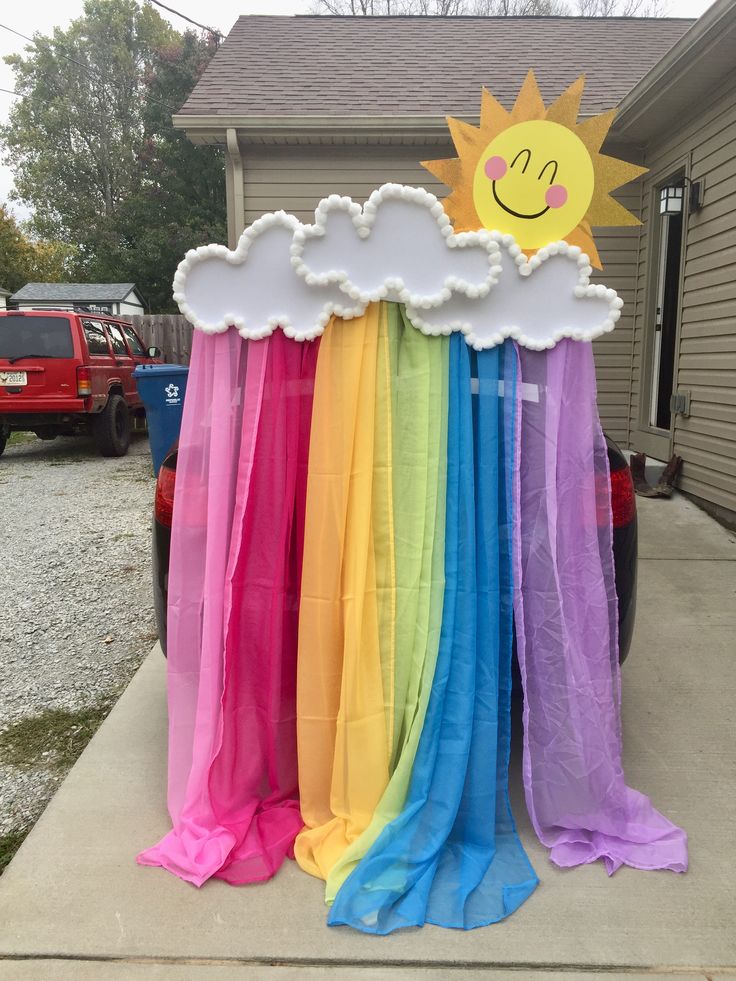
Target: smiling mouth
(516, 214)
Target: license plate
(13, 378)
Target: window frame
(125, 353)
(101, 325)
(129, 327)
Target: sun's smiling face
(534, 180)
(535, 171)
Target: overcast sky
(44, 15)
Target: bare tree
(520, 8)
(621, 8)
(491, 8)
(362, 8)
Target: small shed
(117, 299)
(4, 294)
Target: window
(118, 341)
(24, 334)
(96, 340)
(133, 341)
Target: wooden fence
(171, 332)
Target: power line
(177, 13)
(10, 92)
(79, 64)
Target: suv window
(133, 340)
(96, 339)
(22, 335)
(118, 341)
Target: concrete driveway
(73, 904)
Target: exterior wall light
(672, 197)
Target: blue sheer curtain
(452, 857)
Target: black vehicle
(623, 508)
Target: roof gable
(341, 66)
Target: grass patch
(16, 439)
(9, 845)
(53, 738)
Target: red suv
(63, 373)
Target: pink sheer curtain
(566, 629)
(233, 606)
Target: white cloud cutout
(255, 287)
(399, 246)
(537, 301)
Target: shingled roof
(425, 66)
(74, 292)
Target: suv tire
(111, 428)
(3, 440)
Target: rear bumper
(11, 405)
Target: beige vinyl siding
(706, 355)
(295, 179)
(618, 251)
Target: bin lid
(160, 369)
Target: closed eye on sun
(553, 164)
(528, 158)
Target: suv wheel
(111, 428)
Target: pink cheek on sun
(495, 168)
(556, 196)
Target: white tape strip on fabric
(529, 392)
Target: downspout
(635, 316)
(238, 190)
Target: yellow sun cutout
(535, 171)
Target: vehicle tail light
(84, 381)
(163, 507)
(623, 501)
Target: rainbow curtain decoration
(375, 505)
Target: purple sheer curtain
(566, 628)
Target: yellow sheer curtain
(343, 737)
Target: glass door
(666, 316)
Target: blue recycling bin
(162, 388)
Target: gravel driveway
(76, 595)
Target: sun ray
(583, 237)
(449, 171)
(479, 165)
(614, 172)
(529, 102)
(493, 116)
(468, 139)
(564, 110)
(593, 131)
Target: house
(368, 103)
(118, 299)
(4, 294)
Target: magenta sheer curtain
(233, 608)
(567, 628)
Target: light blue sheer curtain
(452, 857)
